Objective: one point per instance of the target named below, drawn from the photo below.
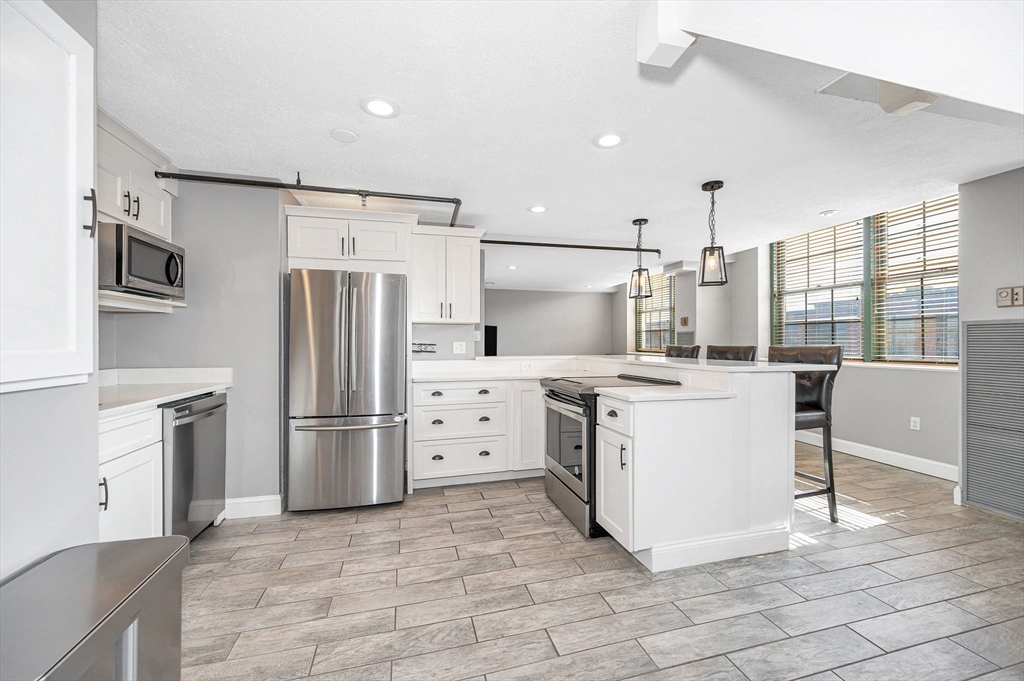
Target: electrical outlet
(915, 423)
(1018, 296)
(459, 348)
(684, 321)
(477, 336)
(1004, 297)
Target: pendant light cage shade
(712, 267)
(640, 284)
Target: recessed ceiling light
(512, 267)
(537, 209)
(344, 136)
(609, 140)
(379, 107)
(588, 287)
(827, 213)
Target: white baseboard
(253, 507)
(946, 471)
(710, 549)
(483, 477)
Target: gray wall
(745, 302)
(49, 440)
(108, 340)
(714, 315)
(991, 244)
(622, 307)
(551, 322)
(231, 236)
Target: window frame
(638, 314)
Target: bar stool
(733, 353)
(814, 407)
(686, 351)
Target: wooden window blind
(655, 316)
(817, 286)
(914, 282)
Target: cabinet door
(113, 166)
(317, 238)
(47, 112)
(378, 240)
(151, 205)
(462, 288)
(427, 278)
(614, 485)
(133, 495)
(527, 425)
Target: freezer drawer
(342, 462)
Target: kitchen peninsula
(684, 475)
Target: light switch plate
(458, 348)
(477, 336)
(915, 423)
(1004, 297)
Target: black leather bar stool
(814, 407)
(686, 351)
(733, 353)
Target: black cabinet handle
(449, 310)
(578, 447)
(442, 310)
(485, 453)
(128, 204)
(106, 495)
(436, 457)
(91, 227)
(485, 391)
(353, 252)
(436, 393)
(485, 418)
(613, 414)
(622, 450)
(136, 200)
(436, 422)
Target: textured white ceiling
(500, 102)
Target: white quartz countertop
(126, 391)
(663, 393)
(708, 365)
(492, 374)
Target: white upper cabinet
(310, 237)
(340, 234)
(128, 190)
(47, 166)
(378, 240)
(444, 276)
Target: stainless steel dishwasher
(195, 431)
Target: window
(885, 287)
(655, 316)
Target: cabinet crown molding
(351, 214)
(439, 230)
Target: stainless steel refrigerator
(346, 401)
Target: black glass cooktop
(586, 385)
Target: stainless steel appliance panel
(377, 343)
(318, 343)
(195, 437)
(567, 441)
(340, 462)
(135, 261)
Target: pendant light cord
(711, 218)
(639, 245)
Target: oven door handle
(564, 406)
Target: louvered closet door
(993, 448)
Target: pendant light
(712, 258)
(640, 280)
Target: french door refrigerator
(346, 401)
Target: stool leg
(826, 445)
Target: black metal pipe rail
(542, 244)
(298, 186)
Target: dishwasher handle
(200, 416)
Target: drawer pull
(485, 453)
(436, 422)
(437, 393)
(436, 457)
(485, 391)
(485, 418)
(578, 447)
(613, 414)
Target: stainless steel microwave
(134, 261)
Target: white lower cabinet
(131, 495)
(471, 428)
(614, 485)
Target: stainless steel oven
(134, 261)
(567, 443)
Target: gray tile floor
(490, 581)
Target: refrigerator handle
(351, 342)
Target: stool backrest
(687, 351)
(813, 388)
(733, 353)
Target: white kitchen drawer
(459, 393)
(447, 458)
(446, 422)
(615, 415)
(126, 434)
